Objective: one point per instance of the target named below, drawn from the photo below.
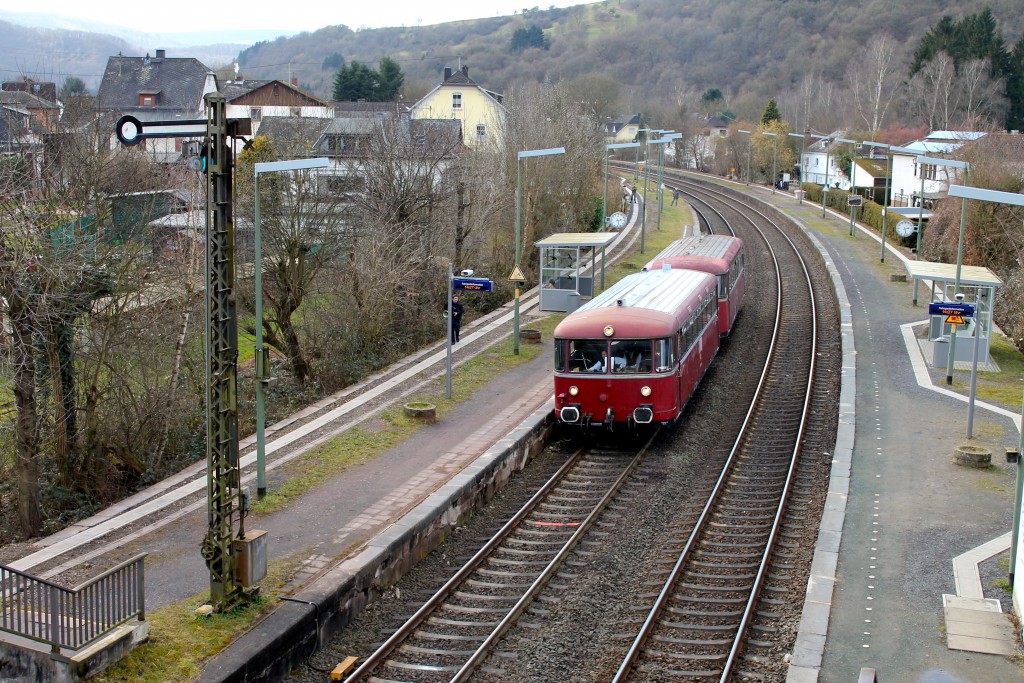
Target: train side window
(662, 355)
(723, 286)
(560, 346)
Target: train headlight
(573, 391)
(644, 391)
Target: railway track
(587, 628)
(698, 626)
(456, 629)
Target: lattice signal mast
(225, 498)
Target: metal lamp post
(666, 137)
(889, 149)
(775, 153)
(827, 142)
(888, 181)
(621, 145)
(262, 371)
(1014, 199)
(803, 140)
(643, 222)
(750, 144)
(519, 212)
(949, 163)
(956, 285)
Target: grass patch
(180, 642)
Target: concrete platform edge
(809, 649)
(293, 631)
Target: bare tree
(873, 80)
(932, 94)
(979, 94)
(302, 229)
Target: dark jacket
(457, 312)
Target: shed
(978, 285)
(567, 268)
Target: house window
(149, 98)
(930, 171)
(481, 130)
(456, 100)
(255, 113)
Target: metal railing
(71, 618)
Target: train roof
(710, 253)
(641, 305)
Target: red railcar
(635, 353)
(720, 255)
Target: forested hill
(750, 49)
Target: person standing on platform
(456, 317)
(675, 197)
(634, 195)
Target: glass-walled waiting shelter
(567, 268)
(978, 285)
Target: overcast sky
(292, 16)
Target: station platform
(912, 545)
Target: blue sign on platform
(473, 284)
(946, 308)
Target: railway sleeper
(731, 618)
(465, 624)
(690, 641)
(447, 637)
(717, 600)
(416, 649)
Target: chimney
(161, 54)
(465, 71)
(447, 72)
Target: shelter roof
(911, 211)
(975, 276)
(577, 239)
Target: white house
(818, 164)
(907, 174)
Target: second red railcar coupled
(720, 255)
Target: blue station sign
(473, 284)
(947, 309)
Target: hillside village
(161, 88)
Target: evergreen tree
(771, 113)
(1015, 87)
(389, 80)
(355, 82)
(977, 36)
(524, 38)
(73, 86)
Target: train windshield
(591, 356)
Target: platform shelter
(978, 285)
(567, 268)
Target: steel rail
(377, 658)
(647, 628)
(655, 613)
(548, 573)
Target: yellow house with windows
(459, 97)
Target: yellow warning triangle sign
(517, 275)
(954, 320)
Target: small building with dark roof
(156, 88)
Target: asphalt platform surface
(910, 510)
